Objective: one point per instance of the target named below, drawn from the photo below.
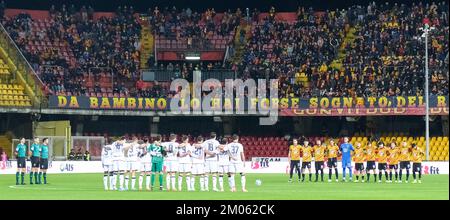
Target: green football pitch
(274, 186)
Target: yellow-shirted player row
(390, 158)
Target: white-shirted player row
(200, 159)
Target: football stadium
(235, 100)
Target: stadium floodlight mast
(426, 29)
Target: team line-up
(388, 157)
(203, 157)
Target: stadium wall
(250, 167)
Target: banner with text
(323, 106)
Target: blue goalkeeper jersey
(346, 149)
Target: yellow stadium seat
(441, 157)
(422, 138)
(439, 138)
(446, 157)
(435, 158)
(445, 139)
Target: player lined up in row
(38, 154)
(124, 158)
(388, 158)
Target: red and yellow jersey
(394, 156)
(370, 153)
(294, 151)
(405, 154)
(307, 153)
(359, 155)
(382, 155)
(417, 154)
(319, 153)
(332, 151)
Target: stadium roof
(218, 5)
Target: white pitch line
(24, 187)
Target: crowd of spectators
(278, 49)
(386, 57)
(192, 27)
(109, 45)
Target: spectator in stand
(72, 155)
(86, 156)
(79, 155)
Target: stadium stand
(312, 53)
(11, 94)
(373, 50)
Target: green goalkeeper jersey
(156, 152)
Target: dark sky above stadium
(219, 5)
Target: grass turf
(274, 186)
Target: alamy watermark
(235, 97)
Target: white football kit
(211, 165)
(236, 163)
(146, 160)
(223, 161)
(132, 157)
(118, 156)
(198, 159)
(184, 163)
(171, 160)
(107, 158)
